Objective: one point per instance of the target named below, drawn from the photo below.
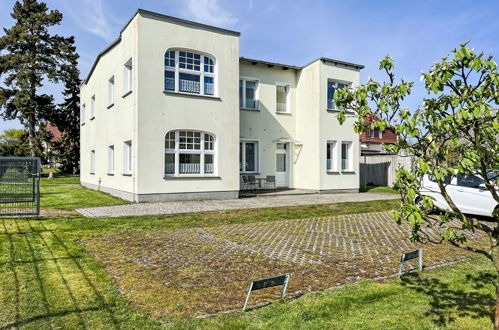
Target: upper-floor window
(127, 77)
(82, 114)
(110, 91)
(92, 107)
(189, 72)
(282, 98)
(332, 86)
(248, 94)
(189, 152)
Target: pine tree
(67, 119)
(30, 55)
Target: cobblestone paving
(208, 268)
(139, 209)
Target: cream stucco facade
(162, 117)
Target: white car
(468, 193)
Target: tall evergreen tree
(67, 119)
(30, 54)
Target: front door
(282, 165)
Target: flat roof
(213, 28)
(286, 66)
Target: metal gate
(19, 186)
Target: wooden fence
(380, 170)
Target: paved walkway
(139, 209)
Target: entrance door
(282, 165)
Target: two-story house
(372, 141)
(170, 111)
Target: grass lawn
(378, 189)
(48, 279)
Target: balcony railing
(189, 86)
(208, 168)
(189, 168)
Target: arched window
(189, 153)
(189, 72)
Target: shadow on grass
(448, 302)
(29, 242)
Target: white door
(282, 164)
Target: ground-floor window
(189, 152)
(92, 161)
(331, 156)
(248, 156)
(346, 156)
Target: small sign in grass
(268, 283)
(410, 256)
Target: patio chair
(270, 180)
(247, 183)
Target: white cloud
(92, 16)
(210, 12)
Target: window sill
(181, 94)
(92, 118)
(250, 109)
(283, 113)
(126, 174)
(110, 106)
(110, 174)
(83, 124)
(333, 171)
(92, 173)
(126, 94)
(348, 171)
(250, 173)
(348, 112)
(191, 177)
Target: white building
(170, 111)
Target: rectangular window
(127, 157)
(332, 86)
(92, 107)
(189, 83)
(346, 156)
(371, 133)
(282, 98)
(248, 94)
(92, 161)
(127, 77)
(248, 156)
(110, 159)
(380, 133)
(82, 114)
(110, 91)
(331, 156)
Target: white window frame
(110, 92)
(335, 82)
(127, 157)
(242, 156)
(127, 77)
(371, 133)
(349, 156)
(202, 74)
(380, 133)
(92, 161)
(257, 93)
(110, 159)
(82, 114)
(287, 89)
(202, 152)
(92, 107)
(332, 162)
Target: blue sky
(415, 33)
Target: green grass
(49, 280)
(70, 196)
(378, 189)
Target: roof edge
(270, 64)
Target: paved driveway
(231, 204)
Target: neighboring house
(50, 153)
(171, 112)
(372, 140)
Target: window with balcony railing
(189, 153)
(189, 72)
